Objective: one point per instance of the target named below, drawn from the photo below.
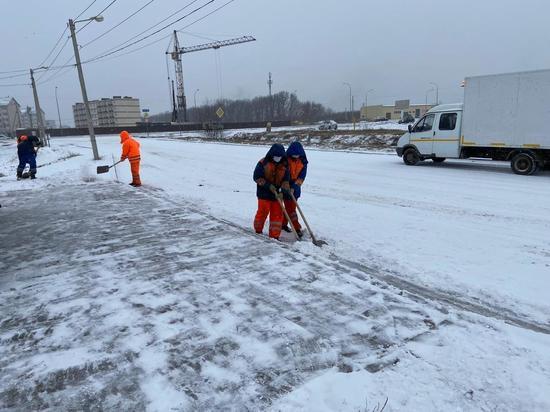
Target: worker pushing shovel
(130, 151)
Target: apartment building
(118, 111)
(10, 116)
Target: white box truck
(504, 117)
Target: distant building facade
(79, 114)
(395, 111)
(117, 111)
(10, 116)
(29, 119)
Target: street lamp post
(436, 92)
(82, 83)
(195, 102)
(367, 103)
(350, 103)
(58, 112)
(427, 93)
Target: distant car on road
(328, 125)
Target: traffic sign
(220, 112)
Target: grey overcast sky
(396, 47)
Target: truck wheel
(523, 164)
(411, 157)
(438, 159)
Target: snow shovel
(286, 214)
(105, 169)
(316, 242)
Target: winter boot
(299, 233)
(32, 174)
(286, 229)
(19, 174)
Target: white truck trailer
(504, 117)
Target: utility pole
(83, 86)
(350, 100)
(195, 104)
(270, 85)
(40, 121)
(436, 92)
(353, 111)
(58, 112)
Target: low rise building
(29, 119)
(117, 111)
(79, 114)
(10, 116)
(395, 111)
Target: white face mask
(277, 159)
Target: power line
(117, 25)
(50, 66)
(98, 14)
(97, 59)
(57, 69)
(14, 76)
(152, 27)
(53, 48)
(208, 14)
(84, 11)
(15, 71)
(14, 84)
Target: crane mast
(179, 113)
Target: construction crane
(179, 113)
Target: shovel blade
(102, 169)
(319, 243)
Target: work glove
(122, 158)
(273, 189)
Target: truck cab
(436, 136)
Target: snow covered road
(470, 228)
(165, 299)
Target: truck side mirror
(410, 128)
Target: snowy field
(432, 292)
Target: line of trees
(281, 106)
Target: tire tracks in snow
(418, 292)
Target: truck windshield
(425, 124)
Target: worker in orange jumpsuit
(271, 177)
(297, 168)
(130, 151)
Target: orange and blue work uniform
(26, 153)
(270, 174)
(131, 151)
(297, 166)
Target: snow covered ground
(432, 292)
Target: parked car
(4, 137)
(328, 125)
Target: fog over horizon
(396, 48)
